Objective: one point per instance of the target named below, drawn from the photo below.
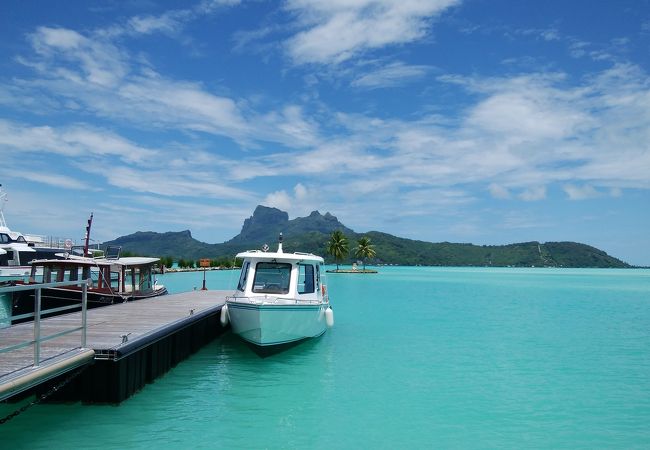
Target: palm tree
(337, 246)
(364, 250)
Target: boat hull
(276, 325)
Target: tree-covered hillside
(311, 233)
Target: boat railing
(273, 300)
(38, 338)
(47, 241)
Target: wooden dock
(127, 345)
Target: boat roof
(83, 261)
(18, 246)
(279, 256)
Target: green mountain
(310, 234)
(265, 225)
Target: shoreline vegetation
(337, 246)
(361, 271)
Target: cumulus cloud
(295, 204)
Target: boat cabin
(289, 275)
(132, 275)
(16, 250)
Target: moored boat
(280, 300)
(18, 250)
(112, 280)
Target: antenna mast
(3, 200)
(90, 222)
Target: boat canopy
(82, 261)
(280, 256)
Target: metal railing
(38, 339)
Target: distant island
(311, 233)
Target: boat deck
(113, 332)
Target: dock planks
(144, 321)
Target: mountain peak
(266, 223)
(263, 220)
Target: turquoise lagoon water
(418, 358)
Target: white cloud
(300, 192)
(498, 191)
(70, 141)
(335, 31)
(171, 184)
(169, 23)
(521, 134)
(278, 199)
(94, 75)
(52, 179)
(533, 194)
(298, 204)
(394, 74)
(99, 62)
(581, 192)
(548, 34)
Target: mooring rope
(44, 396)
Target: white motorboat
(18, 250)
(281, 299)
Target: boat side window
(4, 238)
(52, 274)
(272, 278)
(145, 279)
(243, 276)
(305, 279)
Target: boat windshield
(272, 278)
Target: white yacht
(18, 250)
(281, 299)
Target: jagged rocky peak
(185, 233)
(264, 215)
(327, 216)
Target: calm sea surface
(417, 358)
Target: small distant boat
(112, 280)
(281, 299)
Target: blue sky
(489, 122)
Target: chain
(44, 396)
